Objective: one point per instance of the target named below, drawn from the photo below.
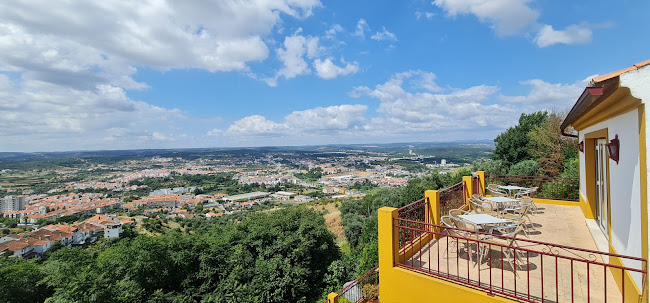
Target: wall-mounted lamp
(581, 146)
(614, 147)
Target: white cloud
(362, 27)
(292, 56)
(75, 60)
(384, 35)
(103, 41)
(339, 117)
(510, 17)
(411, 106)
(507, 17)
(333, 30)
(326, 69)
(405, 110)
(573, 34)
(37, 115)
(255, 125)
(215, 132)
(545, 95)
(332, 119)
(428, 15)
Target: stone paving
(534, 277)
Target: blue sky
(163, 74)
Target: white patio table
(511, 188)
(502, 202)
(482, 219)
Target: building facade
(611, 124)
(12, 203)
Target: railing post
(433, 200)
(481, 182)
(333, 298)
(388, 243)
(388, 237)
(468, 190)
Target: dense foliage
(512, 146)
(534, 147)
(280, 256)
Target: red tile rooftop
(14, 245)
(618, 72)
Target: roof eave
(590, 97)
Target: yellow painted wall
(398, 285)
(556, 202)
(632, 293)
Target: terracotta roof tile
(14, 245)
(619, 72)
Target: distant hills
(420, 148)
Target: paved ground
(534, 277)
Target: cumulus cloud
(506, 17)
(362, 27)
(320, 119)
(37, 115)
(411, 105)
(407, 108)
(510, 17)
(326, 69)
(256, 125)
(573, 34)
(292, 56)
(545, 95)
(107, 40)
(333, 30)
(384, 35)
(74, 61)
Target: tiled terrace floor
(535, 277)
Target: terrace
(557, 262)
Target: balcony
(422, 260)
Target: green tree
(549, 147)
(491, 167)
(19, 282)
(512, 146)
(524, 168)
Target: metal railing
(518, 268)
(476, 186)
(548, 188)
(452, 197)
(417, 211)
(353, 291)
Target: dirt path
(333, 221)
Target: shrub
(524, 168)
(370, 291)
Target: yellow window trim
(590, 172)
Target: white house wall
(624, 186)
(637, 82)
